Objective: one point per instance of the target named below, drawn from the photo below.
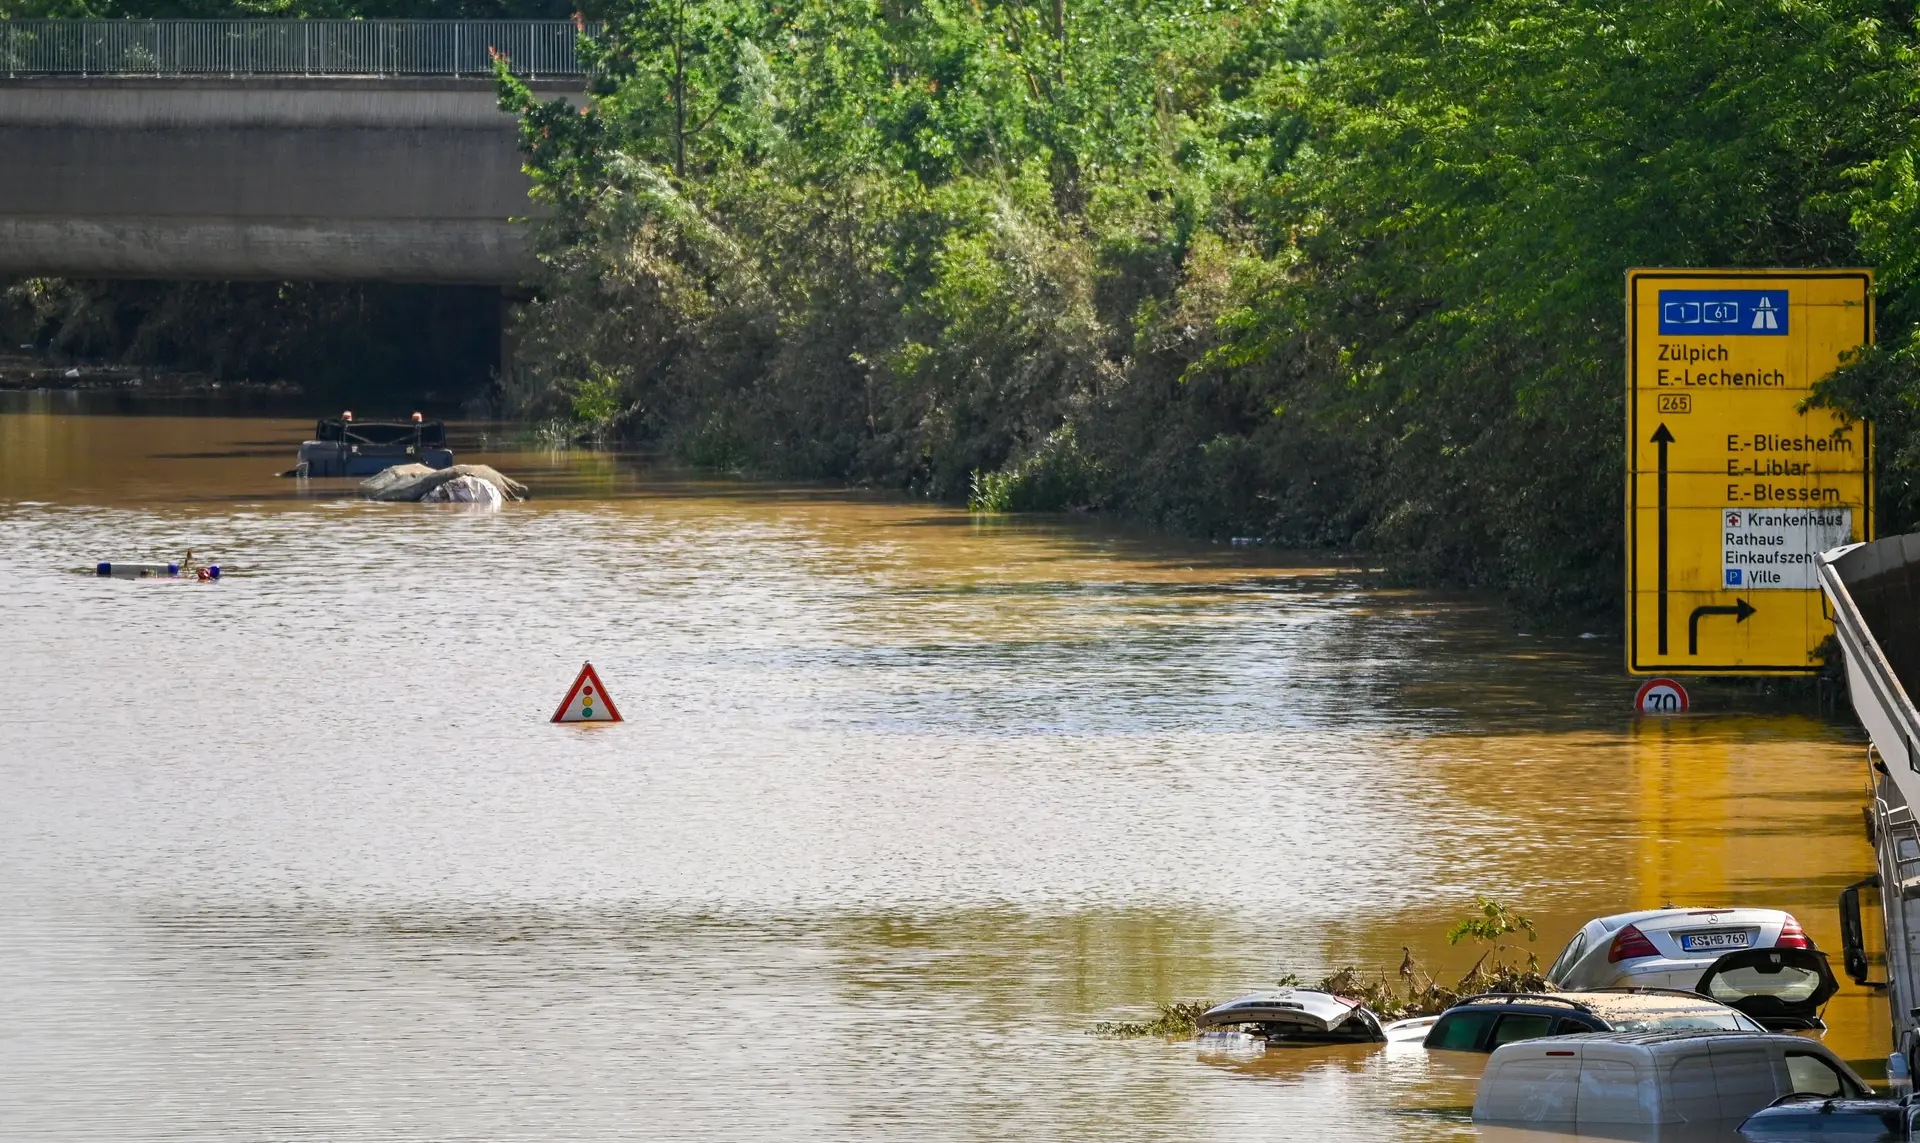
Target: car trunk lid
(1302, 1008)
(1779, 987)
(1705, 932)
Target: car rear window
(1789, 984)
(1459, 1031)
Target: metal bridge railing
(536, 48)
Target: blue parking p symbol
(1733, 577)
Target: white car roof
(1664, 918)
(1640, 1045)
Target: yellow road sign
(1732, 491)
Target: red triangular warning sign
(587, 700)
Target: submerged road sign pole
(1732, 491)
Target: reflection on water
(905, 801)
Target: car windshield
(1666, 1014)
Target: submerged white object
(1304, 1007)
(464, 490)
(1229, 1043)
(417, 482)
(1297, 1015)
(1411, 1030)
(1610, 1080)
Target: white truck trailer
(1874, 592)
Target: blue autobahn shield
(1723, 313)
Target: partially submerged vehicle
(1667, 948)
(1298, 1015)
(1752, 990)
(343, 446)
(1486, 1022)
(1603, 1082)
(1812, 1118)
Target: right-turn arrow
(1740, 610)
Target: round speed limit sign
(1661, 696)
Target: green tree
(1304, 270)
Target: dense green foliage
(1317, 273)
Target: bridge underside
(403, 180)
(447, 251)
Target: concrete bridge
(277, 150)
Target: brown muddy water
(904, 802)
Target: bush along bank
(1318, 273)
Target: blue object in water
(142, 571)
(214, 570)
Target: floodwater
(903, 803)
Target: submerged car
(342, 446)
(1667, 948)
(1300, 1015)
(1807, 1117)
(1483, 1023)
(1605, 1082)
(1752, 990)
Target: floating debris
(134, 569)
(477, 484)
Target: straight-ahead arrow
(1663, 438)
(1739, 611)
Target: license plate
(1704, 942)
